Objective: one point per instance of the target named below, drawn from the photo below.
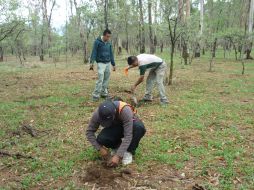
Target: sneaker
(96, 99)
(147, 98)
(127, 158)
(164, 103)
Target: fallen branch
(28, 129)
(243, 65)
(14, 155)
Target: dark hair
(107, 31)
(131, 60)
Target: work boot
(127, 158)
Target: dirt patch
(100, 176)
(97, 176)
(9, 179)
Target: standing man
(157, 69)
(103, 54)
(122, 131)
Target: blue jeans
(101, 87)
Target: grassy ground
(205, 136)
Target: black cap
(107, 112)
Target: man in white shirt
(157, 69)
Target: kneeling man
(122, 131)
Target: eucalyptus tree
(142, 27)
(172, 16)
(9, 23)
(151, 39)
(250, 29)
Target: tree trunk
(201, 25)
(211, 64)
(127, 41)
(23, 55)
(85, 51)
(119, 46)
(49, 43)
(201, 16)
(19, 56)
(126, 33)
(155, 25)
(185, 54)
(188, 7)
(197, 50)
(162, 47)
(170, 82)
(42, 48)
(185, 42)
(243, 67)
(180, 10)
(150, 27)
(1, 54)
(81, 33)
(155, 42)
(142, 29)
(19, 51)
(250, 29)
(47, 19)
(214, 48)
(106, 13)
(235, 49)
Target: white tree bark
(188, 7)
(201, 16)
(250, 23)
(180, 10)
(250, 30)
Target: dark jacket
(125, 119)
(102, 52)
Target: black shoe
(105, 96)
(147, 100)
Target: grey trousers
(156, 75)
(101, 87)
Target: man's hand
(91, 67)
(126, 70)
(104, 153)
(140, 80)
(114, 161)
(114, 68)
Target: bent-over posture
(157, 69)
(122, 131)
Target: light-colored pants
(101, 87)
(156, 74)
